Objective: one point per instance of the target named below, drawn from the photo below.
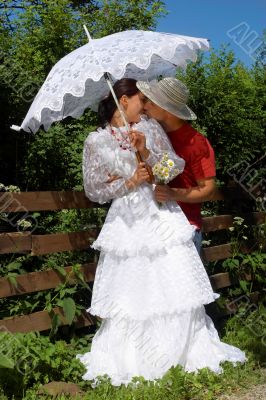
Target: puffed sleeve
(158, 143)
(96, 174)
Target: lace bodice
(103, 157)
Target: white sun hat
(170, 94)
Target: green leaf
(69, 308)
(15, 265)
(243, 285)
(6, 362)
(48, 307)
(61, 270)
(12, 280)
(55, 324)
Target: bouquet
(165, 170)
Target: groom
(166, 101)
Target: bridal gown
(150, 285)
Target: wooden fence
(36, 245)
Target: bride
(150, 285)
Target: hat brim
(153, 93)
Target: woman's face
(133, 107)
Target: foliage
(36, 360)
(53, 159)
(229, 101)
(34, 35)
(72, 297)
(247, 269)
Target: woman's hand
(140, 175)
(138, 140)
(113, 178)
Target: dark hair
(107, 107)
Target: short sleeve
(202, 159)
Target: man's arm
(198, 194)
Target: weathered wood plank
(43, 280)
(221, 280)
(24, 242)
(16, 242)
(44, 201)
(57, 242)
(214, 253)
(53, 200)
(41, 321)
(219, 222)
(221, 252)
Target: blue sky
(237, 22)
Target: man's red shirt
(199, 156)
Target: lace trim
(153, 249)
(117, 312)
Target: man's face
(152, 110)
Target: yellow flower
(155, 169)
(170, 163)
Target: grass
(176, 384)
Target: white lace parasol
(76, 82)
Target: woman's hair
(107, 107)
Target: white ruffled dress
(150, 285)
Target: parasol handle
(148, 168)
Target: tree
(34, 36)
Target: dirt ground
(256, 393)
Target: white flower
(238, 220)
(165, 157)
(13, 188)
(24, 223)
(206, 242)
(164, 170)
(170, 163)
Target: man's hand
(203, 192)
(164, 193)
